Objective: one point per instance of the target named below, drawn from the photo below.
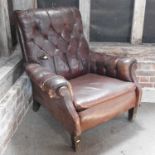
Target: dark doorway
(111, 20)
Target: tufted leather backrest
(54, 38)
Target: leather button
(72, 36)
(44, 57)
(57, 50)
(45, 36)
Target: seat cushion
(92, 89)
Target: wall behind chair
(16, 93)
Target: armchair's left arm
(47, 81)
(55, 92)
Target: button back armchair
(79, 87)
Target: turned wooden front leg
(75, 142)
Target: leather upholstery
(92, 89)
(113, 66)
(54, 92)
(55, 40)
(107, 110)
(79, 87)
(47, 81)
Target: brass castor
(132, 114)
(36, 106)
(75, 142)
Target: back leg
(132, 114)
(36, 106)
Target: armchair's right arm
(113, 66)
(56, 94)
(117, 67)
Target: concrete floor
(40, 134)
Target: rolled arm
(113, 66)
(126, 68)
(47, 81)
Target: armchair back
(54, 39)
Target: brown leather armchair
(80, 88)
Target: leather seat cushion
(92, 89)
